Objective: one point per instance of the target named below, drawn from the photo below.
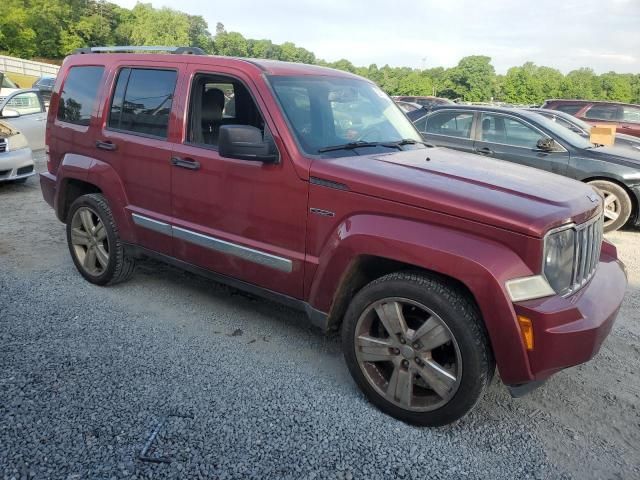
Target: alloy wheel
(612, 207)
(90, 241)
(408, 354)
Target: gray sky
(565, 34)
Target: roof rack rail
(155, 48)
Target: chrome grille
(588, 242)
(3, 145)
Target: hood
(494, 192)
(629, 157)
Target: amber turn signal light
(526, 330)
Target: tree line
(51, 29)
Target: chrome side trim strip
(222, 246)
(151, 224)
(246, 253)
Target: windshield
(330, 112)
(563, 133)
(576, 121)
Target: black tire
(457, 311)
(119, 266)
(620, 206)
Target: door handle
(108, 145)
(189, 163)
(484, 151)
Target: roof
(585, 102)
(270, 67)
(481, 108)
(277, 67)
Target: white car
(26, 112)
(16, 159)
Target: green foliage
(162, 26)
(54, 28)
(473, 78)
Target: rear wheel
(94, 243)
(617, 204)
(417, 348)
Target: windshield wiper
(358, 144)
(411, 141)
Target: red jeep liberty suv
(309, 186)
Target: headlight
(558, 259)
(16, 142)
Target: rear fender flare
(104, 177)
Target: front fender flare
(481, 264)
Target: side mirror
(546, 144)
(9, 113)
(245, 142)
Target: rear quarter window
(79, 93)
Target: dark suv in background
(45, 85)
(625, 116)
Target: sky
(564, 34)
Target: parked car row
(583, 129)
(528, 138)
(626, 117)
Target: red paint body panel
(480, 222)
(572, 329)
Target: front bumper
(16, 164)
(569, 331)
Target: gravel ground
(87, 373)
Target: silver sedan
(25, 111)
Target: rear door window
(451, 124)
(79, 93)
(602, 112)
(142, 101)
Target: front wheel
(617, 204)
(417, 348)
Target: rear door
(135, 140)
(448, 128)
(513, 139)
